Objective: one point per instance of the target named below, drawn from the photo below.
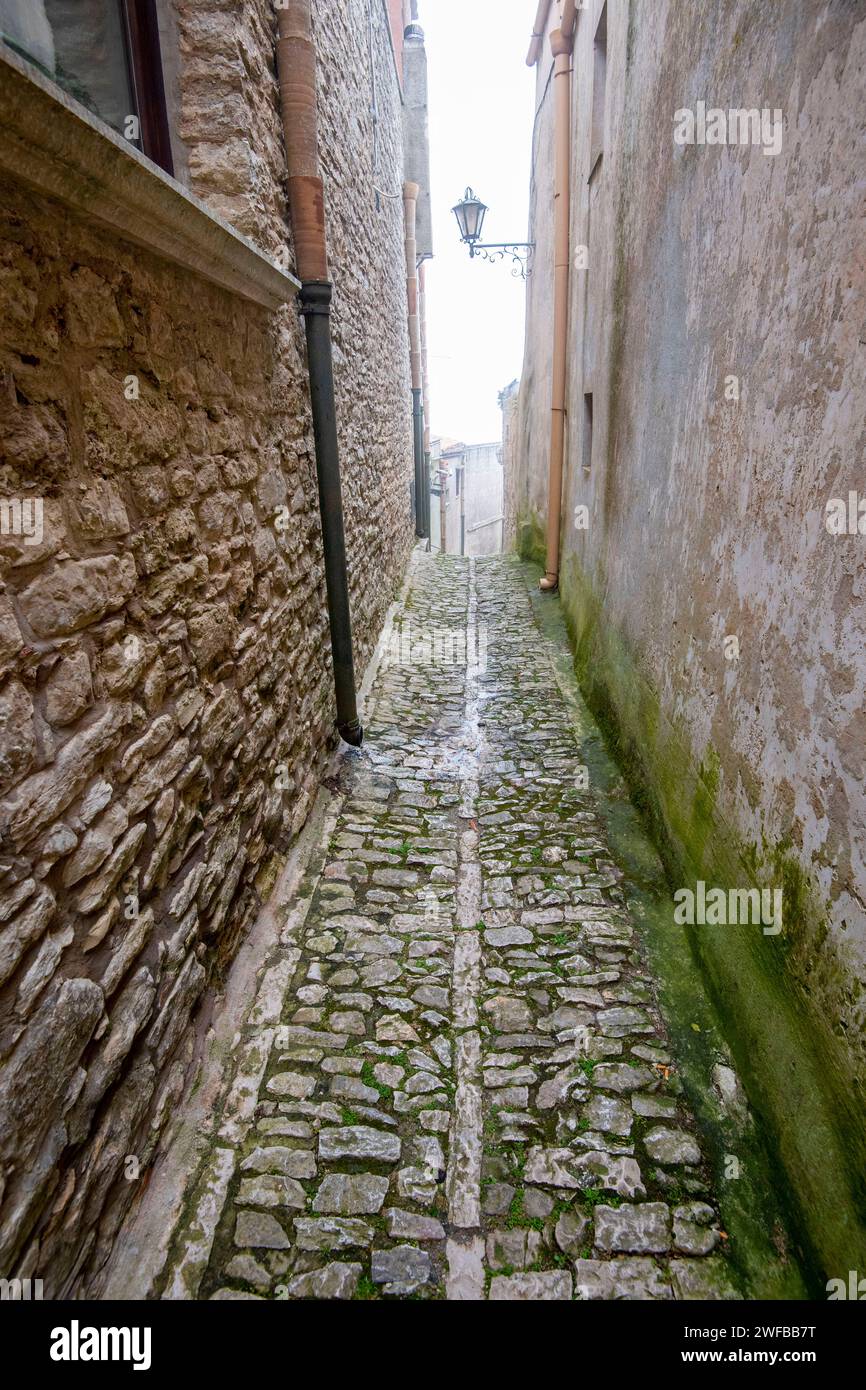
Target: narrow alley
(454, 1079)
(432, 679)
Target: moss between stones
(798, 1075)
(531, 543)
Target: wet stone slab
(462, 1085)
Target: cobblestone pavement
(455, 1082)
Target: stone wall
(166, 704)
(366, 246)
(719, 328)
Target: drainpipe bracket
(314, 297)
(352, 733)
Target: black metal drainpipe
(426, 489)
(315, 298)
(422, 494)
(427, 492)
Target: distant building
(466, 497)
(509, 400)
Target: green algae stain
(795, 1215)
(703, 814)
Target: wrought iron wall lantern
(470, 213)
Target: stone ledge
(55, 145)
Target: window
(599, 90)
(105, 54)
(587, 433)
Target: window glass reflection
(81, 44)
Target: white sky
(481, 112)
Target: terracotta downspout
(296, 65)
(422, 497)
(538, 30)
(562, 45)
